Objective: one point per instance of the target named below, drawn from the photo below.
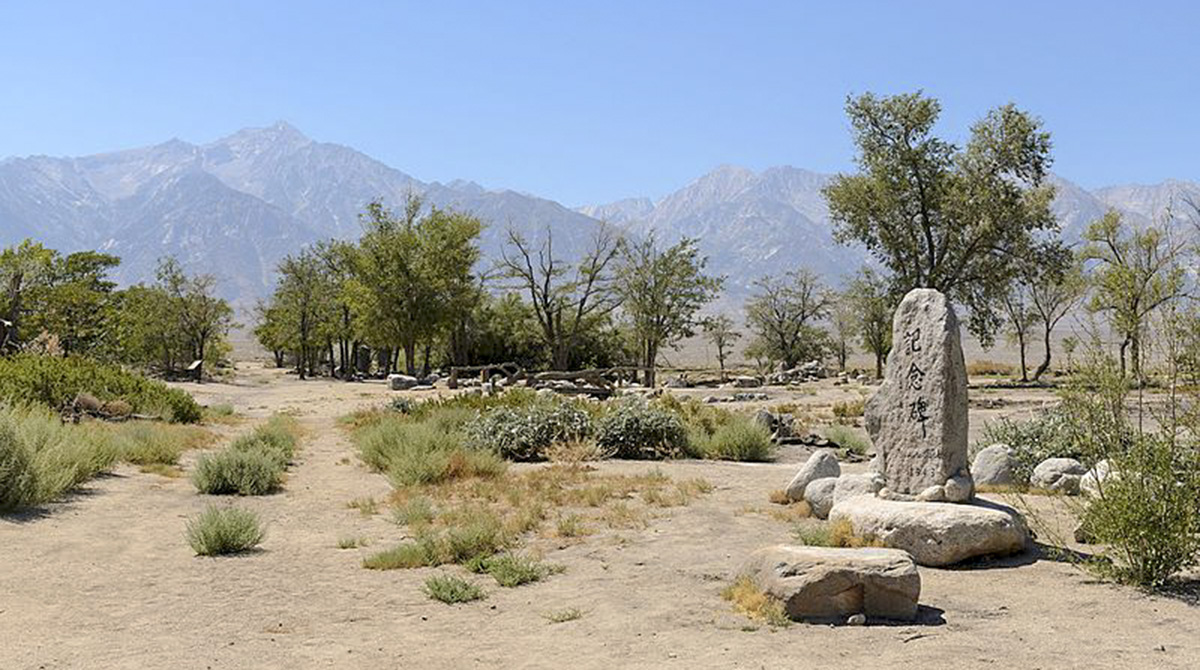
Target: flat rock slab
(827, 584)
(936, 533)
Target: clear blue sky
(592, 101)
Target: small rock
(821, 464)
(819, 496)
(995, 466)
(857, 620)
(1058, 474)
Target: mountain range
(236, 206)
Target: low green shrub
(277, 437)
(510, 570)
(848, 410)
(231, 471)
(418, 453)
(525, 433)
(55, 381)
(848, 439)
(1047, 434)
(414, 512)
(452, 590)
(740, 439)
(41, 457)
(633, 428)
(220, 531)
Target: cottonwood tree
(305, 308)
(783, 316)
(201, 317)
(412, 267)
(719, 331)
(1136, 272)
(937, 215)
(568, 299)
(869, 297)
(1019, 318)
(843, 326)
(1054, 291)
(661, 291)
(23, 268)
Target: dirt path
(106, 580)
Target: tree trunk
(1124, 346)
(879, 365)
(651, 356)
(1037, 374)
(410, 357)
(1024, 367)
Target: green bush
(1149, 512)
(452, 590)
(277, 437)
(55, 381)
(247, 473)
(418, 453)
(41, 457)
(632, 428)
(525, 433)
(1048, 434)
(219, 531)
(848, 439)
(510, 570)
(741, 439)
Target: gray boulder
(994, 466)
(819, 495)
(853, 486)
(1058, 474)
(918, 417)
(401, 382)
(934, 533)
(823, 463)
(824, 584)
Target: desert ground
(105, 579)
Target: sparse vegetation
(848, 439)
(986, 368)
(849, 410)
(748, 599)
(633, 428)
(452, 590)
(253, 464)
(739, 439)
(41, 458)
(220, 531)
(563, 616)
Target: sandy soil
(106, 580)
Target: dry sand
(106, 580)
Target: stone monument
(918, 418)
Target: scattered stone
(1058, 474)
(745, 382)
(819, 496)
(820, 465)
(401, 382)
(854, 486)
(994, 466)
(936, 534)
(918, 418)
(857, 620)
(679, 382)
(826, 584)
(711, 399)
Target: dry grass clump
(848, 410)
(748, 599)
(986, 368)
(838, 533)
(153, 445)
(220, 531)
(563, 616)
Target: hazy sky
(593, 101)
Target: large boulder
(853, 486)
(934, 533)
(918, 418)
(823, 463)
(994, 466)
(819, 496)
(1058, 474)
(401, 382)
(827, 584)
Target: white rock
(823, 463)
(853, 486)
(934, 533)
(1058, 474)
(819, 495)
(918, 417)
(994, 466)
(1090, 483)
(828, 584)
(401, 382)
